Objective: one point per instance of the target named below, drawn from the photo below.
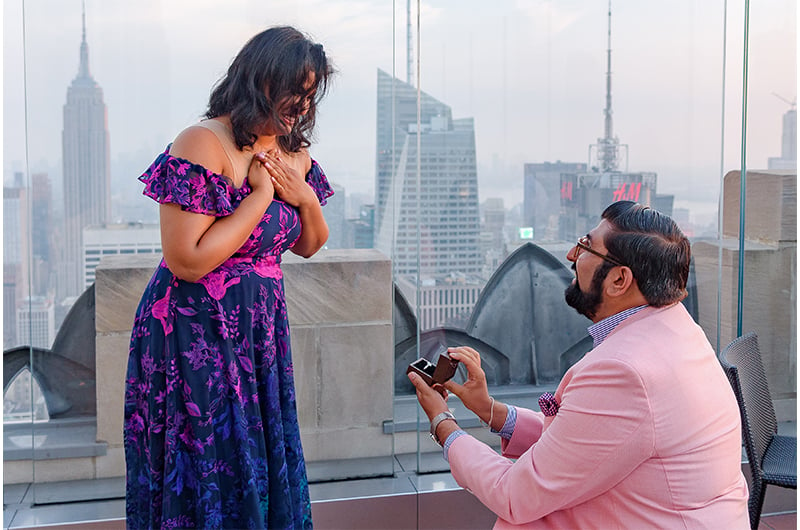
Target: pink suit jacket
(647, 436)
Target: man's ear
(619, 281)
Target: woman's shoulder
(180, 176)
(199, 145)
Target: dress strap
(239, 160)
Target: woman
(211, 432)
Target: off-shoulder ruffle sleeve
(193, 187)
(319, 182)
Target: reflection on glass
(23, 400)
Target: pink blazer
(647, 435)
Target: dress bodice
(196, 189)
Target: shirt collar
(600, 330)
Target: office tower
(335, 218)
(9, 306)
(788, 158)
(541, 203)
(86, 168)
(663, 203)
(434, 220)
(446, 301)
(15, 256)
(494, 219)
(681, 217)
(115, 239)
(586, 195)
(492, 239)
(362, 228)
(36, 322)
(42, 231)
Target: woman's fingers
(277, 164)
(276, 169)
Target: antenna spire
(608, 156)
(409, 46)
(609, 127)
(83, 70)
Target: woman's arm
(315, 230)
(195, 244)
(291, 187)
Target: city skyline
(547, 108)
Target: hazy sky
(531, 73)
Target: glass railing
(470, 142)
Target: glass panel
(567, 115)
(92, 97)
(760, 232)
(21, 400)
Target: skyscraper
(36, 322)
(116, 239)
(87, 198)
(15, 255)
(584, 195)
(788, 158)
(334, 213)
(435, 219)
(42, 233)
(542, 197)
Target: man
(642, 432)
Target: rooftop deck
(405, 500)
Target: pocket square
(548, 404)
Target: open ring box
(443, 369)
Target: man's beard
(586, 303)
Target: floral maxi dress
(211, 432)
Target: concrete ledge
(55, 439)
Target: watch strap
(439, 418)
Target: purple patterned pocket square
(548, 404)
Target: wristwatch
(439, 418)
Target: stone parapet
(340, 312)
(769, 305)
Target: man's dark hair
(273, 66)
(654, 248)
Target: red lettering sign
(629, 193)
(566, 190)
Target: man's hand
(474, 393)
(432, 400)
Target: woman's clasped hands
(288, 183)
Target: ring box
(443, 370)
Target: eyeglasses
(584, 243)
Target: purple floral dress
(211, 432)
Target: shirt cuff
(508, 426)
(449, 441)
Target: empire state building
(86, 168)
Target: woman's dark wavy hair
(273, 66)
(654, 248)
